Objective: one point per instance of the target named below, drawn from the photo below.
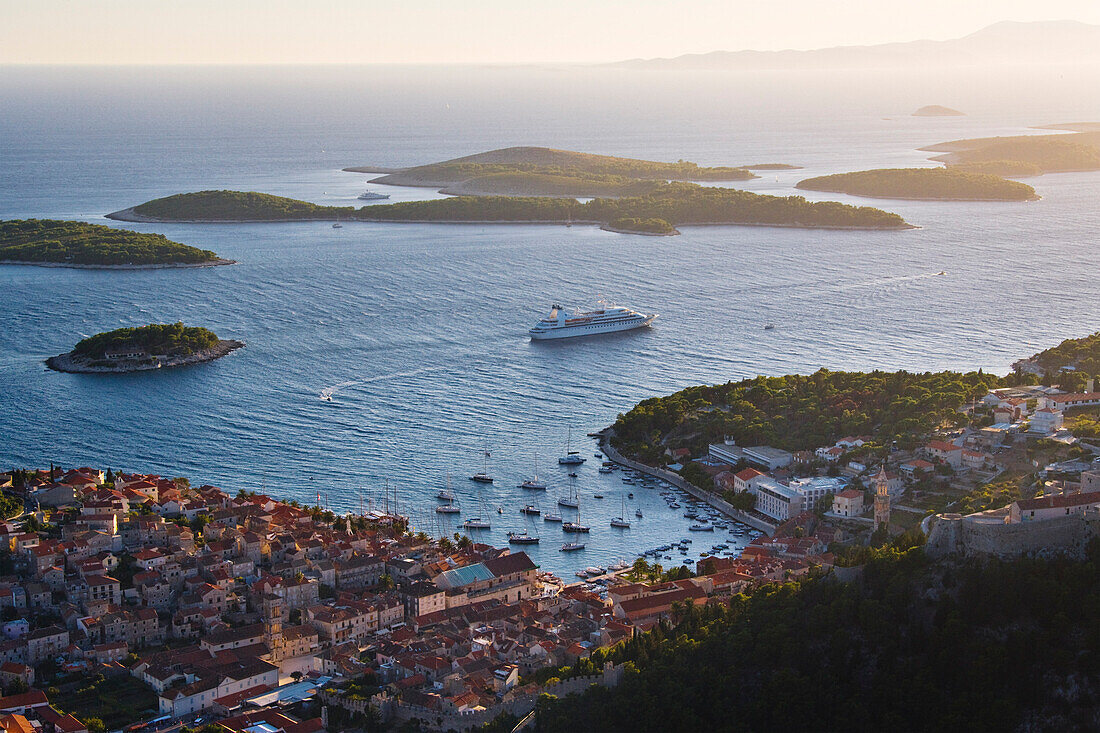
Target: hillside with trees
(922, 183)
(231, 206)
(49, 241)
(800, 412)
(1083, 354)
(911, 645)
(549, 161)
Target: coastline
(1036, 197)
(609, 228)
(152, 266)
(67, 363)
(149, 220)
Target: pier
(679, 482)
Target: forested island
(633, 225)
(235, 206)
(922, 184)
(53, 243)
(144, 347)
(535, 171)
(676, 203)
(1022, 155)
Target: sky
(477, 31)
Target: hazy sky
(477, 31)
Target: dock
(679, 482)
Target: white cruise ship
(560, 325)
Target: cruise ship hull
(589, 329)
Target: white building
(1046, 421)
(776, 500)
(815, 488)
(762, 456)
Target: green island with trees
(51, 242)
(1023, 154)
(677, 203)
(911, 644)
(922, 183)
(143, 347)
(633, 225)
(229, 206)
(529, 163)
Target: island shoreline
(1036, 197)
(70, 365)
(150, 220)
(151, 266)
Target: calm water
(418, 331)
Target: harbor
(589, 514)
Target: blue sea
(418, 332)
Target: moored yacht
(559, 324)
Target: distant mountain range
(1044, 42)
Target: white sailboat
(533, 483)
(571, 457)
(477, 522)
(482, 476)
(572, 500)
(620, 521)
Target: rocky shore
(85, 365)
(152, 266)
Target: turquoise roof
(459, 577)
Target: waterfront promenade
(680, 483)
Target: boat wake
(887, 281)
(328, 392)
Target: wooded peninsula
(1024, 155)
(144, 347)
(677, 203)
(923, 184)
(49, 242)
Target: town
(135, 601)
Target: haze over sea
(419, 331)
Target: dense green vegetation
(922, 183)
(235, 206)
(520, 183)
(117, 701)
(567, 163)
(911, 646)
(677, 203)
(1082, 354)
(78, 243)
(800, 412)
(156, 338)
(644, 226)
